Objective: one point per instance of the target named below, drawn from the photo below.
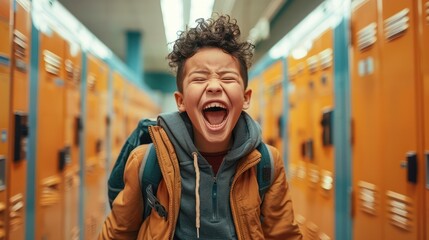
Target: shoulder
(136, 156)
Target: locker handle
(427, 163)
(412, 167)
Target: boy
(206, 152)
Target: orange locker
(366, 119)
(385, 100)
(5, 97)
(423, 19)
(72, 130)
(130, 107)
(319, 145)
(273, 105)
(310, 96)
(399, 130)
(118, 119)
(95, 153)
(20, 70)
(297, 135)
(52, 154)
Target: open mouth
(215, 113)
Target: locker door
(424, 56)
(308, 145)
(95, 195)
(272, 104)
(399, 112)
(51, 153)
(73, 123)
(19, 125)
(298, 134)
(118, 121)
(366, 123)
(321, 175)
(5, 97)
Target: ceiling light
(200, 9)
(172, 15)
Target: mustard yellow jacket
(125, 219)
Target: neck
(212, 147)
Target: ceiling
(109, 21)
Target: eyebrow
(222, 72)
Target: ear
(247, 97)
(179, 101)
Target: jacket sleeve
(277, 210)
(125, 218)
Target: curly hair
(222, 33)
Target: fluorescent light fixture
(200, 9)
(172, 15)
(327, 15)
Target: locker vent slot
(20, 50)
(52, 62)
(325, 58)
(50, 191)
(73, 72)
(367, 36)
(16, 211)
(292, 74)
(91, 82)
(25, 4)
(20, 42)
(301, 173)
(396, 24)
(312, 63)
(292, 171)
(399, 210)
(312, 231)
(75, 232)
(368, 197)
(327, 180)
(427, 11)
(324, 236)
(300, 67)
(300, 219)
(314, 177)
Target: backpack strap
(150, 175)
(264, 170)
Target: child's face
(213, 96)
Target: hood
(246, 134)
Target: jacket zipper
(214, 200)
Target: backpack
(150, 173)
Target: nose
(214, 86)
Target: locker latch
(411, 166)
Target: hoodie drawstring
(197, 194)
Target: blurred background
(340, 87)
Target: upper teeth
(215, 104)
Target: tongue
(214, 117)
